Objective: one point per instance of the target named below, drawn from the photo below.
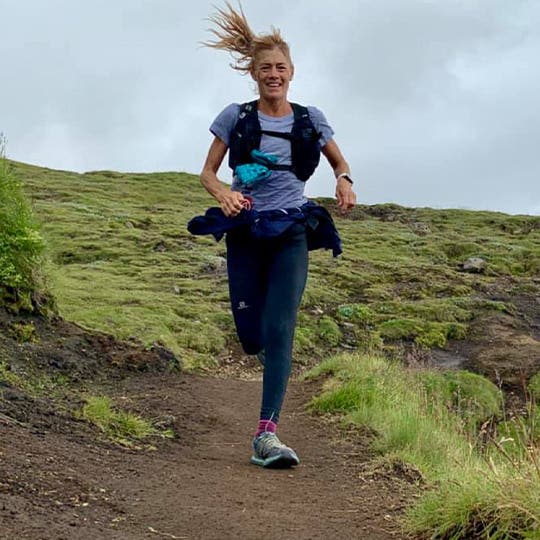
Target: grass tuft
(121, 426)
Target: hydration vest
(305, 148)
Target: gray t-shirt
(282, 189)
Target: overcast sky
(434, 103)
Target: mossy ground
(122, 261)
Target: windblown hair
(236, 36)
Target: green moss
(305, 340)
(431, 309)
(474, 397)
(329, 331)
(401, 329)
(358, 313)
(201, 337)
(368, 340)
(8, 376)
(425, 334)
(431, 336)
(23, 332)
(460, 251)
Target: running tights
(266, 281)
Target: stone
(474, 265)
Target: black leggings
(266, 281)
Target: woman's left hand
(346, 197)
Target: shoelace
(269, 442)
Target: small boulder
(215, 265)
(474, 265)
(420, 228)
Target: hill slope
(123, 262)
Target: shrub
(21, 245)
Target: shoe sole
(276, 462)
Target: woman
(274, 146)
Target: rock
(474, 265)
(420, 228)
(510, 358)
(215, 264)
(160, 246)
(502, 350)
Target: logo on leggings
(242, 305)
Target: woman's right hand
(232, 202)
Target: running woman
(274, 147)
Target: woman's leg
(246, 288)
(287, 266)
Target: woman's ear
(292, 72)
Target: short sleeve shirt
(282, 189)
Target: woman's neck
(274, 108)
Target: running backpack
(305, 148)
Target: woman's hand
(346, 197)
(231, 202)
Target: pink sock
(266, 425)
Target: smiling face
(272, 71)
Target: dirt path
(200, 486)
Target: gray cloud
(433, 103)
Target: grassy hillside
(123, 262)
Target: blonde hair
(236, 36)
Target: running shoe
(270, 452)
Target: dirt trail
(201, 485)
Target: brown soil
(60, 479)
(503, 346)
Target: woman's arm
(230, 201)
(345, 195)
